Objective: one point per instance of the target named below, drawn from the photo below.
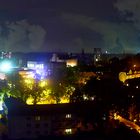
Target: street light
(5, 66)
(134, 66)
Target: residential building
(32, 121)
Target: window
(37, 118)
(68, 115)
(68, 131)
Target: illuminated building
(85, 76)
(27, 73)
(6, 66)
(97, 55)
(71, 62)
(6, 55)
(35, 65)
(123, 76)
(44, 120)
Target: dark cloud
(130, 6)
(71, 25)
(21, 36)
(111, 32)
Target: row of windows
(38, 118)
(68, 131)
(29, 132)
(36, 125)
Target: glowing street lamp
(5, 66)
(134, 66)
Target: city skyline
(70, 26)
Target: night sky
(70, 25)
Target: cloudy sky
(70, 25)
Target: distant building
(97, 55)
(6, 55)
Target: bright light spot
(64, 99)
(68, 131)
(134, 120)
(1, 105)
(28, 81)
(134, 66)
(92, 98)
(68, 115)
(29, 101)
(35, 65)
(137, 86)
(37, 118)
(71, 62)
(85, 97)
(6, 66)
(116, 116)
(104, 118)
(96, 60)
(27, 74)
(127, 85)
(43, 83)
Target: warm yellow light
(71, 62)
(43, 83)
(28, 81)
(29, 101)
(68, 131)
(135, 120)
(68, 115)
(127, 85)
(64, 100)
(134, 65)
(122, 76)
(48, 99)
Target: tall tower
(97, 55)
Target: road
(128, 123)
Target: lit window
(85, 97)
(68, 115)
(127, 84)
(92, 98)
(37, 118)
(96, 59)
(68, 131)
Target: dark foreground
(121, 133)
